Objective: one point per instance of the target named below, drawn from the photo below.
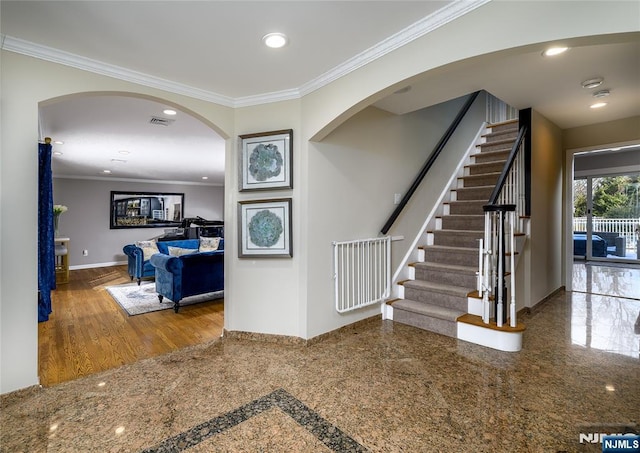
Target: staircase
(445, 276)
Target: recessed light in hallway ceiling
(553, 51)
(275, 40)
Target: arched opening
(106, 142)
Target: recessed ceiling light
(205, 177)
(592, 83)
(553, 51)
(275, 40)
(57, 153)
(124, 152)
(58, 142)
(106, 171)
(169, 112)
(119, 161)
(601, 94)
(598, 105)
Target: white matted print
(265, 229)
(266, 160)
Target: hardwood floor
(89, 332)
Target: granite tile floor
(379, 387)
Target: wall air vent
(160, 121)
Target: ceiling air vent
(160, 121)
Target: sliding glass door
(606, 219)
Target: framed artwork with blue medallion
(266, 160)
(265, 228)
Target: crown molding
(268, 98)
(98, 67)
(418, 29)
(414, 31)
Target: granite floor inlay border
(324, 431)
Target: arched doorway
(114, 141)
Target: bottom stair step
(425, 316)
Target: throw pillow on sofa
(148, 248)
(209, 244)
(178, 251)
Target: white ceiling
(115, 133)
(213, 50)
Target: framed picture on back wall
(264, 229)
(266, 160)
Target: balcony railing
(628, 228)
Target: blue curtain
(46, 244)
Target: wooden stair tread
(497, 142)
(482, 175)
(477, 321)
(437, 287)
(502, 132)
(474, 188)
(503, 123)
(450, 267)
(486, 164)
(490, 153)
(422, 308)
(449, 247)
(467, 232)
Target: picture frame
(264, 228)
(133, 209)
(266, 160)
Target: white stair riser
(495, 339)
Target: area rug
(136, 300)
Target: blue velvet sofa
(138, 267)
(178, 277)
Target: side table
(62, 260)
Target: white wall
(610, 162)
(595, 136)
(355, 172)
(545, 240)
(279, 286)
(25, 82)
(263, 295)
(86, 222)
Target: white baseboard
(91, 266)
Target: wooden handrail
(429, 163)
